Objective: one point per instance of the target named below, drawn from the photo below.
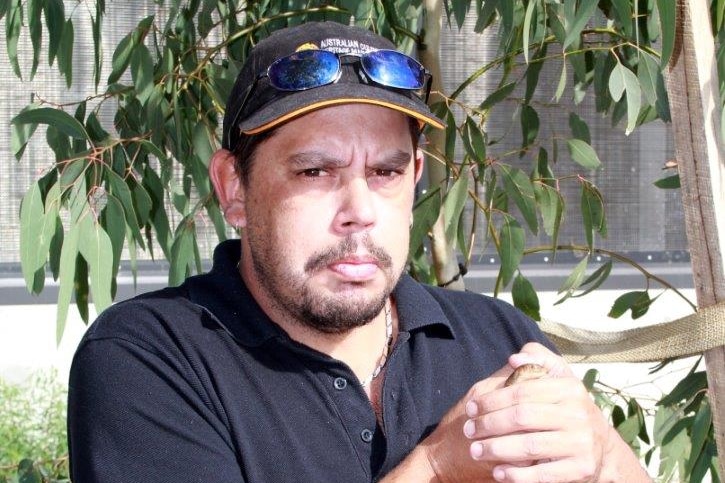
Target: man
(306, 354)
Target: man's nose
(357, 207)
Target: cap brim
(301, 102)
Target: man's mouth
(355, 268)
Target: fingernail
(471, 409)
(498, 474)
(469, 429)
(476, 450)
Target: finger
(525, 417)
(535, 353)
(526, 447)
(546, 390)
(564, 470)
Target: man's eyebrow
(397, 159)
(306, 159)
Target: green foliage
(33, 431)
(682, 429)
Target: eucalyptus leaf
(66, 276)
(583, 154)
(593, 216)
(36, 231)
(453, 204)
(500, 94)
(511, 249)
(525, 297)
(96, 248)
(637, 302)
(583, 14)
(669, 182)
(574, 280)
(667, 11)
(55, 21)
(60, 120)
(579, 128)
(519, 188)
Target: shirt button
(340, 383)
(366, 435)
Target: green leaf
(530, 10)
(67, 276)
(670, 182)
(693, 383)
(519, 188)
(551, 204)
(623, 9)
(497, 96)
(579, 128)
(13, 24)
(453, 204)
(182, 252)
(668, 11)
(96, 25)
(142, 72)
(700, 432)
(20, 134)
(574, 280)
(596, 279)
(647, 74)
(590, 378)
(512, 241)
(584, 13)
(622, 79)
(583, 154)
(121, 58)
(460, 8)
(525, 298)
(119, 188)
(114, 221)
(159, 219)
(637, 301)
(36, 231)
(54, 21)
(562, 83)
(532, 73)
(35, 26)
(60, 120)
(95, 246)
(529, 126)
(593, 216)
(65, 52)
(425, 214)
(71, 172)
(474, 142)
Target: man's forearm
(414, 468)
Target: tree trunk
(692, 87)
(444, 256)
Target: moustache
(348, 247)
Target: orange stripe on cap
(297, 112)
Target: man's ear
(228, 187)
(418, 162)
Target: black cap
(269, 107)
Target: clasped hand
(544, 430)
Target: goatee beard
(326, 313)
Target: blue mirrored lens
(393, 69)
(304, 70)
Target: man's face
(327, 215)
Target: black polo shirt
(196, 384)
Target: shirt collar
(223, 293)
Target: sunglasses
(308, 69)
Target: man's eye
(312, 173)
(385, 173)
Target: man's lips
(356, 268)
